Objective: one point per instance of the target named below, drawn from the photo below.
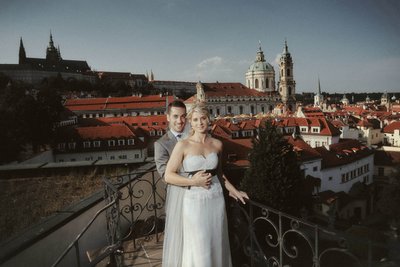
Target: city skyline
(351, 46)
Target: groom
(176, 117)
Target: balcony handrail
(78, 237)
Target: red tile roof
(342, 153)
(105, 132)
(231, 90)
(305, 151)
(391, 127)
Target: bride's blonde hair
(200, 108)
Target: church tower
(200, 96)
(318, 98)
(52, 54)
(261, 75)
(22, 54)
(286, 84)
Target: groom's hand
(202, 179)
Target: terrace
(126, 229)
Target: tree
(274, 177)
(389, 203)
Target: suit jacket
(162, 151)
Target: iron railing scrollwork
(259, 235)
(138, 213)
(262, 236)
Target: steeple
(22, 54)
(318, 98)
(52, 54)
(319, 86)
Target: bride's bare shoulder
(217, 143)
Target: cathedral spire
(22, 54)
(52, 54)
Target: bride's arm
(233, 192)
(173, 166)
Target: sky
(349, 45)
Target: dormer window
(72, 145)
(96, 143)
(315, 129)
(121, 142)
(152, 133)
(111, 142)
(303, 129)
(131, 142)
(160, 132)
(86, 144)
(235, 134)
(61, 146)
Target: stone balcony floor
(147, 252)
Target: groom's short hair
(175, 104)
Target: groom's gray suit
(162, 151)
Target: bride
(196, 233)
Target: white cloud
(212, 62)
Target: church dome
(260, 66)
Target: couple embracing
(196, 233)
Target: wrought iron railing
(259, 235)
(262, 236)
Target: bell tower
(286, 84)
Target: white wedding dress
(196, 236)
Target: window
(144, 123)
(99, 158)
(86, 144)
(152, 133)
(160, 132)
(154, 123)
(229, 109)
(122, 157)
(112, 157)
(317, 143)
(96, 143)
(241, 109)
(315, 168)
(256, 83)
(72, 145)
(343, 177)
(121, 142)
(111, 142)
(381, 171)
(252, 109)
(61, 146)
(315, 129)
(136, 156)
(303, 129)
(330, 178)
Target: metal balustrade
(259, 235)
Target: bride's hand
(202, 179)
(239, 195)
